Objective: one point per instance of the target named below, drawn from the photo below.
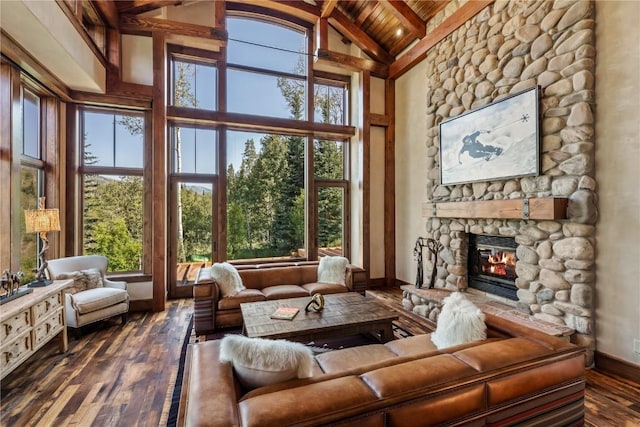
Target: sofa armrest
(206, 295)
(209, 392)
(355, 278)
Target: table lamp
(41, 221)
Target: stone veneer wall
(508, 47)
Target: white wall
(618, 175)
(411, 167)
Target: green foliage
(113, 240)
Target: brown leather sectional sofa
(263, 282)
(516, 377)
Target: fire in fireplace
(492, 265)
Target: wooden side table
(29, 322)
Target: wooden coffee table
(343, 315)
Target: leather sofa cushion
(97, 298)
(412, 345)
(260, 278)
(246, 295)
(498, 354)
(324, 288)
(284, 291)
(353, 357)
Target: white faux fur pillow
(259, 362)
(82, 280)
(460, 322)
(227, 277)
(332, 269)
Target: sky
(247, 92)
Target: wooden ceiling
(381, 28)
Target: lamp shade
(41, 220)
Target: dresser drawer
(47, 306)
(14, 326)
(49, 327)
(15, 352)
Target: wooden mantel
(550, 208)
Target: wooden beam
(381, 120)
(138, 24)
(128, 100)
(418, 52)
(297, 8)
(344, 25)
(365, 140)
(407, 17)
(538, 208)
(259, 123)
(109, 12)
(327, 8)
(158, 175)
(390, 186)
(141, 6)
(351, 63)
(322, 35)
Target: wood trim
(147, 201)
(141, 6)
(327, 7)
(418, 52)
(390, 186)
(259, 123)
(610, 365)
(108, 11)
(113, 100)
(298, 9)
(539, 208)
(7, 88)
(378, 282)
(72, 203)
(321, 30)
(365, 135)
(351, 63)
(50, 114)
(381, 120)
(158, 177)
(141, 305)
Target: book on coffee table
(285, 313)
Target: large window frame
(118, 173)
(305, 126)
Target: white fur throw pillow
(332, 269)
(82, 280)
(227, 277)
(460, 322)
(259, 362)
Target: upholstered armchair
(92, 297)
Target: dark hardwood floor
(124, 376)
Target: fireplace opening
(492, 265)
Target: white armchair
(90, 305)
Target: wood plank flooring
(124, 376)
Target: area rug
(177, 389)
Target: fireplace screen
(492, 265)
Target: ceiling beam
(418, 52)
(327, 8)
(109, 12)
(298, 8)
(135, 7)
(138, 24)
(361, 39)
(407, 17)
(351, 63)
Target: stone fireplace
(506, 48)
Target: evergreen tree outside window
(112, 187)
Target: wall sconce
(41, 221)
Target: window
(265, 195)
(31, 179)
(112, 186)
(267, 69)
(331, 174)
(330, 101)
(194, 84)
